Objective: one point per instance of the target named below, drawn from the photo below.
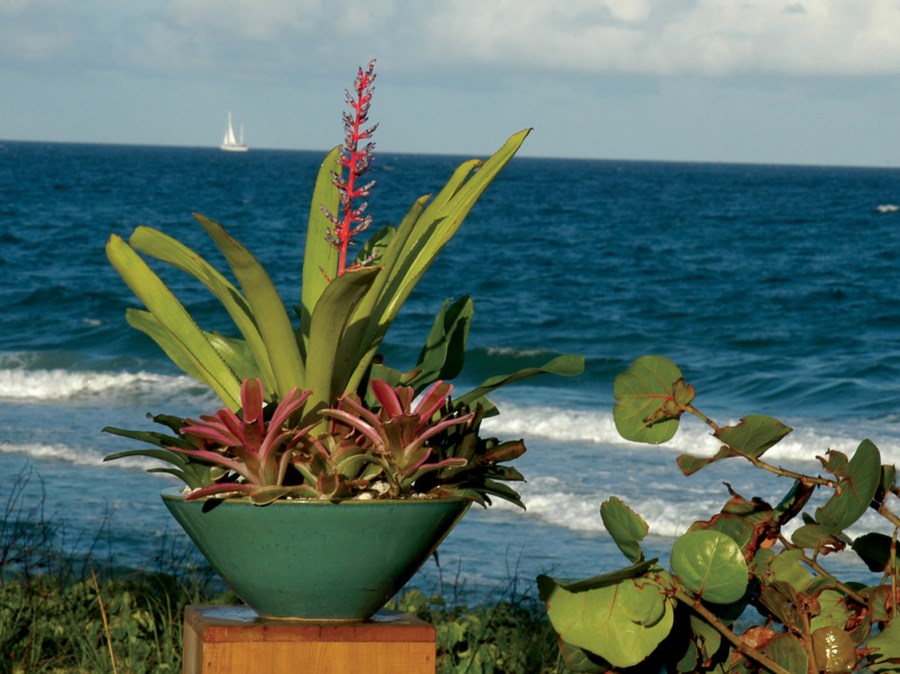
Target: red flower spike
(357, 160)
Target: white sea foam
(510, 351)
(55, 385)
(887, 208)
(588, 427)
(73, 455)
(548, 500)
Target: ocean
(773, 287)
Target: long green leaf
(331, 339)
(265, 302)
(566, 366)
(320, 258)
(185, 336)
(167, 249)
(232, 351)
(173, 347)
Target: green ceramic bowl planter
(341, 561)
(320, 445)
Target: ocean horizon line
(524, 154)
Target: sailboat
(230, 143)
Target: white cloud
(660, 37)
(650, 37)
(251, 20)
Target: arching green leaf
(564, 366)
(171, 251)
(266, 304)
(418, 241)
(173, 328)
(650, 398)
(327, 374)
(710, 564)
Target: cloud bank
(715, 38)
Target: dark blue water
(774, 288)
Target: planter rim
(176, 494)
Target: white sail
(229, 142)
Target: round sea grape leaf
(881, 603)
(626, 527)
(834, 650)
(787, 651)
(787, 568)
(647, 408)
(754, 435)
(598, 622)
(874, 549)
(887, 647)
(710, 564)
(833, 611)
(814, 537)
(855, 490)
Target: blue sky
(780, 81)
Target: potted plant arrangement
(328, 477)
(743, 591)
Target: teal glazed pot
(316, 560)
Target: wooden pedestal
(235, 640)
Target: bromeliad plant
(693, 616)
(310, 411)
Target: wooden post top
(242, 624)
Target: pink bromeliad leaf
(400, 432)
(258, 451)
